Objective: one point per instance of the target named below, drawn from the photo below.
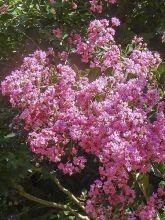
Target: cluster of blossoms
(96, 6)
(69, 116)
(149, 211)
(100, 37)
(57, 32)
(3, 8)
(74, 5)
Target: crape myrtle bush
(26, 25)
(114, 112)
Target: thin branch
(35, 199)
(67, 192)
(34, 42)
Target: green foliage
(160, 77)
(28, 25)
(145, 18)
(14, 154)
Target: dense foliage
(96, 136)
(26, 25)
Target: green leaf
(94, 73)
(161, 68)
(160, 73)
(11, 135)
(162, 183)
(158, 170)
(66, 212)
(71, 218)
(143, 180)
(109, 71)
(129, 49)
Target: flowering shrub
(116, 116)
(26, 26)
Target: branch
(49, 204)
(67, 192)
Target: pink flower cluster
(96, 6)
(57, 32)
(155, 202)
(3, 8)
(111, 1)
(63, 55)
(69, 115)
(74, 38)
(99, 35)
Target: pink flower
(50, 51)
(63, 55)
(3, 8)
(111, 1)
(74, 38)
(115, 22)
(52, 1)
(57, 32)
(95, 6)
(74, 5)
